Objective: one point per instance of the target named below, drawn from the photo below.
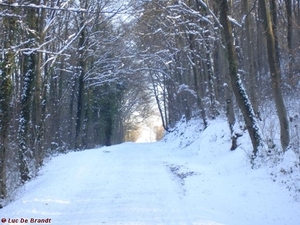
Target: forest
(75, 74)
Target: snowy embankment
(188, 178)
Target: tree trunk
(229, 99)
(38, 111)
(163, 115)
(30, 98)
(25, 152)
(7, 62)
(288, 5)
(236, 83)
(274, 66)
(81, 86)
(80, 111)
(249, 59)
(196, 76)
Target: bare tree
(274, 66)
(236, 82)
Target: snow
(190, 177)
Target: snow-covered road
(122, 184)
(151, 183)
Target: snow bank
(226, 185)
(212, 147)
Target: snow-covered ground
(190, 177)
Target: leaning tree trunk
(274, 66)
(236, 82)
